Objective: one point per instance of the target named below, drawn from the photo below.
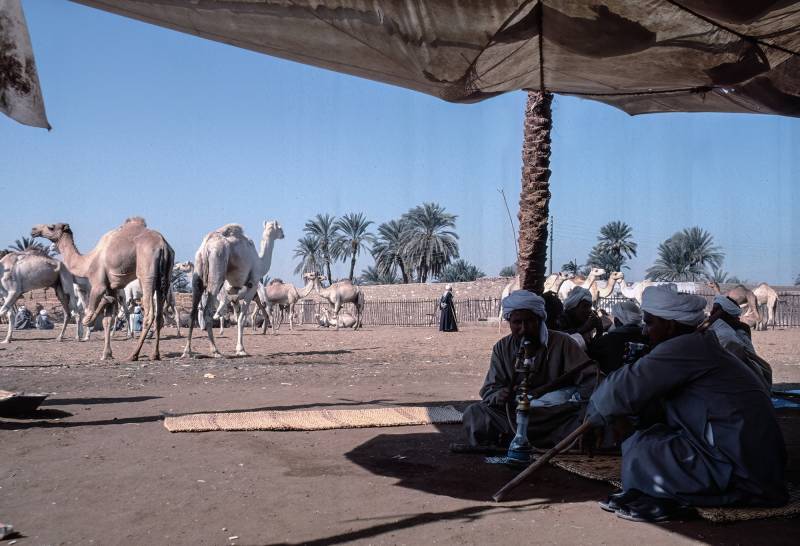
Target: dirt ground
(97, 466)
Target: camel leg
(197, 294)
(177, 318)
(244, 304)
(64, 299)
(209, 319)
(159, 324)
(8, 305)
(291, 317)
(148, 311)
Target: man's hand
(503, 395)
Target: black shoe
(618, 500)
(653, 510)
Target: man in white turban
(447, 311)
(734, 336)
(608, 350)
(715, 441)
(578, 319)
(487, 422)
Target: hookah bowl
(520, 451)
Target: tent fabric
(20, 94)
(642, 57)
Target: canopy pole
(534, 199)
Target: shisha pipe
(520, 451)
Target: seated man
(487, 422)
(43, 321)
(608, 350)
(578, 320)
(23, 320)
(734, 336)
(718, 442)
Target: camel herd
(135, 263)
(752, 301)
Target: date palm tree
(686, 256)
(429, 241)
(29, 243)
(388, 249)
(460, 271)
(372, 275)
(323, 228)
(352, 238)
(615, 241)
(310, 255)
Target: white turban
(448, 288)
(627, 312)
(577, 295)
(727, 305)
(665, 303)
(523, 299)
(43, 313)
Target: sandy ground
(96, 465)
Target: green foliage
(324, 230)
(460, 271)
(310, 254)
(686, 256)
(388, 249)
(429, 241)
(371, 275)
(614, 247)
(181, 281)
(352, 238)
(29, 243)
(509, 271)
(573, 267)
(719, 276)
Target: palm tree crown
(429, 241)
(29, 243)
(352, 237)
(310, 255)
(388, 249)
(323, 228)
(460, 271)
(371, 275)
(686, 256)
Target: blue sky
(192, 134)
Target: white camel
(278, 293)
(634, 292)
(551, 284)
(337, 295)
(569, 284)
(226, 254)
(21, 272)
(766, 295)
(344, 320)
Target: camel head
(272, 230)
(52, 232)
(597, 271)
(616, 276)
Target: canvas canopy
(644, 56)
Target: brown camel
(131, 251)
(741, 295)
(337, 295)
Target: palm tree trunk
(534, 199)
(352, 266)
(403, 273)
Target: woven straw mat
(323, 419)
(607, 468)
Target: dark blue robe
(447, 317)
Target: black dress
(447, 317)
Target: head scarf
(43, 313)
(448, 288)
(577, 295)
(727, 305)
(665, 303)
(627, 312)
(523, 299)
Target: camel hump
(231, 230)
(135, 220)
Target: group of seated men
(698, 421)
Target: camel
(551, 284)
(569, 284)
(337, 295)
(614, 278)
(226, 254)
(742, 296)
(278, 293)
(344, 320)
(767, 296)
(634, 292)
(22, 272)
(133, 292)
(131, 251)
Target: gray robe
(719, 443)
(487, 422)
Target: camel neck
(265, 255)
(307, 289)
(76, 262)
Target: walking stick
(541, 461)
